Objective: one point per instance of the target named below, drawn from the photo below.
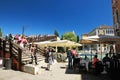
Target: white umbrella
(64, 43)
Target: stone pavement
(59, 72)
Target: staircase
(19, 57)
(26, 57)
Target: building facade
(116, 20)
(102, 30)
(99, 47)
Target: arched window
(117, 16)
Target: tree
(0, 32)
(77, 38)
(70, 36)
(56, 33)
(61, 37)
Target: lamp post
(23, 28)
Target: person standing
(35, 53)
(46, 54)
(69, 56)
(50, 58)
(74, 53)
(33, 50)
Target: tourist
(35, 53)
(86, 62)
(95, 60)
(69, 56)
(31, 51)
(23, 41)
(74, 55)
(10, 38)
(106, 61)
(46, 54)
(97, 65)
(50, 59)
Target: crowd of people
(71, 55)
(111, 64)
(108, 65)
(19, 39)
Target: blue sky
(45, 16)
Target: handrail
(16, 53)
(13, 49)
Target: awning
(100, 39)
(59, 43)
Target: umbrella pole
(101, 51)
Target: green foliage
(0, 32)
(70, 36)
(56, 33)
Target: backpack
(69, 53)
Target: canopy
(59, 43)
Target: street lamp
(23, 28)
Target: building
(40, 38)
(98, 47)
(116, 20)
(102, 30)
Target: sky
(46, 16)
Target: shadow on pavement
(86, 75)
(89, 76)
(71, 71)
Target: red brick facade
(116, 20)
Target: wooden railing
(18, 55)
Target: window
(98, 31)
(117, 16)
(106, 31)
(118, 33)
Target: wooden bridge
(16, 55)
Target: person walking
(69, 56)
(35, 54)
(46, 54)
(33, 50)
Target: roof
(105, 27)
